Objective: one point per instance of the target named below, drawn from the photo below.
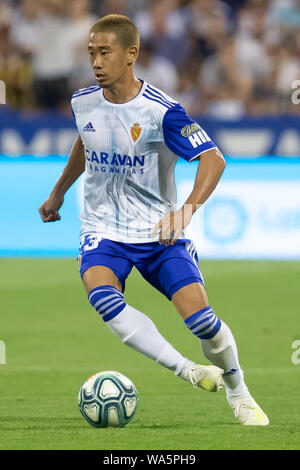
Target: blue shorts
(167, 268)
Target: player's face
(108, 58)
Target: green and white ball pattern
(108, 398)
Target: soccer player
(130, 137)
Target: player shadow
(201, 425)
(156, 426)
(11, 423)
(38, 423)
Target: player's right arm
(75, 167)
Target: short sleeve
(184, 136)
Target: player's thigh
(96, 276)
(190, 299)
(103, 262)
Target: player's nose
(97, 62)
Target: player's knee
(204, 324)
(107, 301)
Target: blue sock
(204, 324)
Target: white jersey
(131, 150)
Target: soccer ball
(108, 399)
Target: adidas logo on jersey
(89, 128)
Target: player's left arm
(210, 168)
(186, 138)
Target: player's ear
(132, 54)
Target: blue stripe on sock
(104, 304)
(193, 317)
(114, 313)
(213, 332)
(210, 316)
(207, 327)
(206, 317)
(107, 301)
(102, 289)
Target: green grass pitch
(55, 340)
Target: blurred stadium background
(235, 66)
(232, 64)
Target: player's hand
(172, 224)
(49, 210)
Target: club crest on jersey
(135, 131)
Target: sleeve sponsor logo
(199, 138)
(186, 131)
(196, 135)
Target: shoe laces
(193, 379)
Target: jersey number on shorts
(89, 242)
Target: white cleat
(207, 377)
(247, 411)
